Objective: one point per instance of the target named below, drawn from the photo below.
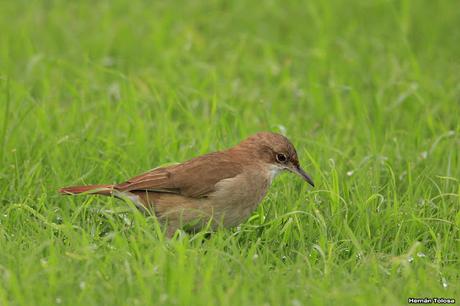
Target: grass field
(99, 91)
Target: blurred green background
(98, 91)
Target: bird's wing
(195, 178)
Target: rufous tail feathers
(93, 189)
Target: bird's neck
(273, 172)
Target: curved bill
(304, 175)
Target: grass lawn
(99, 91)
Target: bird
(219, 189)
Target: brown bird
(221, 188)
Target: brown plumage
(224, 187)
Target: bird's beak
(303, 174)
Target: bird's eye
(281, 158)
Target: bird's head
(276, 151)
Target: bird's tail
(91, 189)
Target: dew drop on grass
(282, 129)
(63, 139)
(421, 202)
(114, 92)
(420, 254)
(318, 199)
(163, 297)
(402, 175)
(350, 173)
(332, 162)
(444, 283)
(299, 93)
(255, 256)
(410, 259)
(296, 302)
(108, 61)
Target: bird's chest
(236, 198)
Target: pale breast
(236, 198)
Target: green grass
(96, 92)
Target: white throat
(273, 171)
